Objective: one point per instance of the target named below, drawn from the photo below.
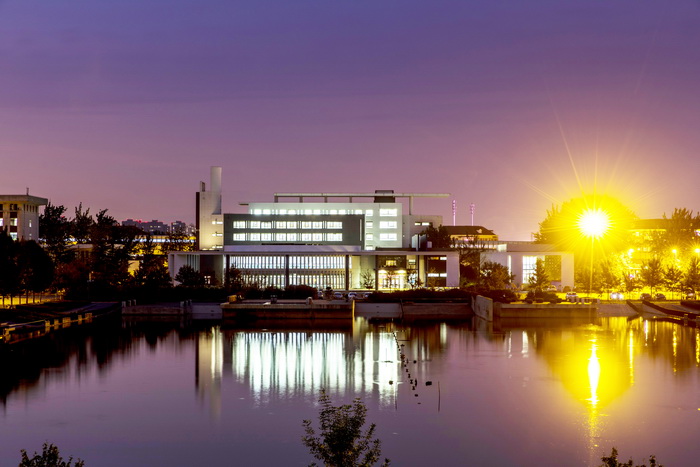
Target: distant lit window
(292, 237)
(334, 225)
(387, 225)
(266, 212)
(306, 237)
(317, 225)
(239, 237)
(292, 212)
(387, 237)
(335, 237)
(254, 224)
(369, 237)
(308, 212)
(369, 212)
(388, 212)
(292, 225)
(281, 237)
(343, 212)
(13, 222)
(13, 235)
(306, 225)
(317, 237)
(254, 237)
(266, 225)
(333, 212)
(358, 211)
(317, 212)
(280, 225)
(257, 212)
(283, 211)
(369, 225)
(239, 224)
(266, 237)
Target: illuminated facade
(357, 241)
(521, 259)
(19, 216)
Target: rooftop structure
(19, 215)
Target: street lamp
(593, 223)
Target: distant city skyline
(513, 106)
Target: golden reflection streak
(697, 346)
(594, 374)
(631, 357)
(675, 350)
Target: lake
(207, 393)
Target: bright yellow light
(594, 222)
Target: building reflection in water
(595, 363)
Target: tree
(611, 461)
(49, 457)
(438, 237)
(188, 276)
(652, 273)
(691, 278)
(341, 441)
(495, 276)
(539, 279)
(55, 232)
(673, 277)
(36, 270)
(367, 279)
(9, 269)
(233, 280)
(178, 240)
(152, 272)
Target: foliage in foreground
(341, 441)
(49, 457)
(612, 461)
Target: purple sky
(125, 104)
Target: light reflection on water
(553, 393)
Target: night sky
(511, 105)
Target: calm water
(535, 393)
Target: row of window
(295, 262)
(389, 212)
(268, 225)
(288, 237)
(382, 225)
(13, 222)
(383, 237)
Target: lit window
(358, 211)
(369, 237)
(306, 225)
(387, 237)
(317, 225)
(343, 212)
(239, 224)
(283, 211)
(335, 237)
(292, 225)
(307, 212)
(254, 237)
(281, 237)
(369, 212)
(266, 225)
(257, 212)
(239, 237)
(266, 212)
(306, 237)
(369, 225)
(317, 212)
(333, 212)
(334, 225)
(388, 212)
(280, 225)
(291, 237)
(387, 225)
(266, 237)
(254, 224)
(317, 237)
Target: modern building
(341, 240)
(19, 215)
(521, 259)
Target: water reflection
(581, 377)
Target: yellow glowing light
(594, 222)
